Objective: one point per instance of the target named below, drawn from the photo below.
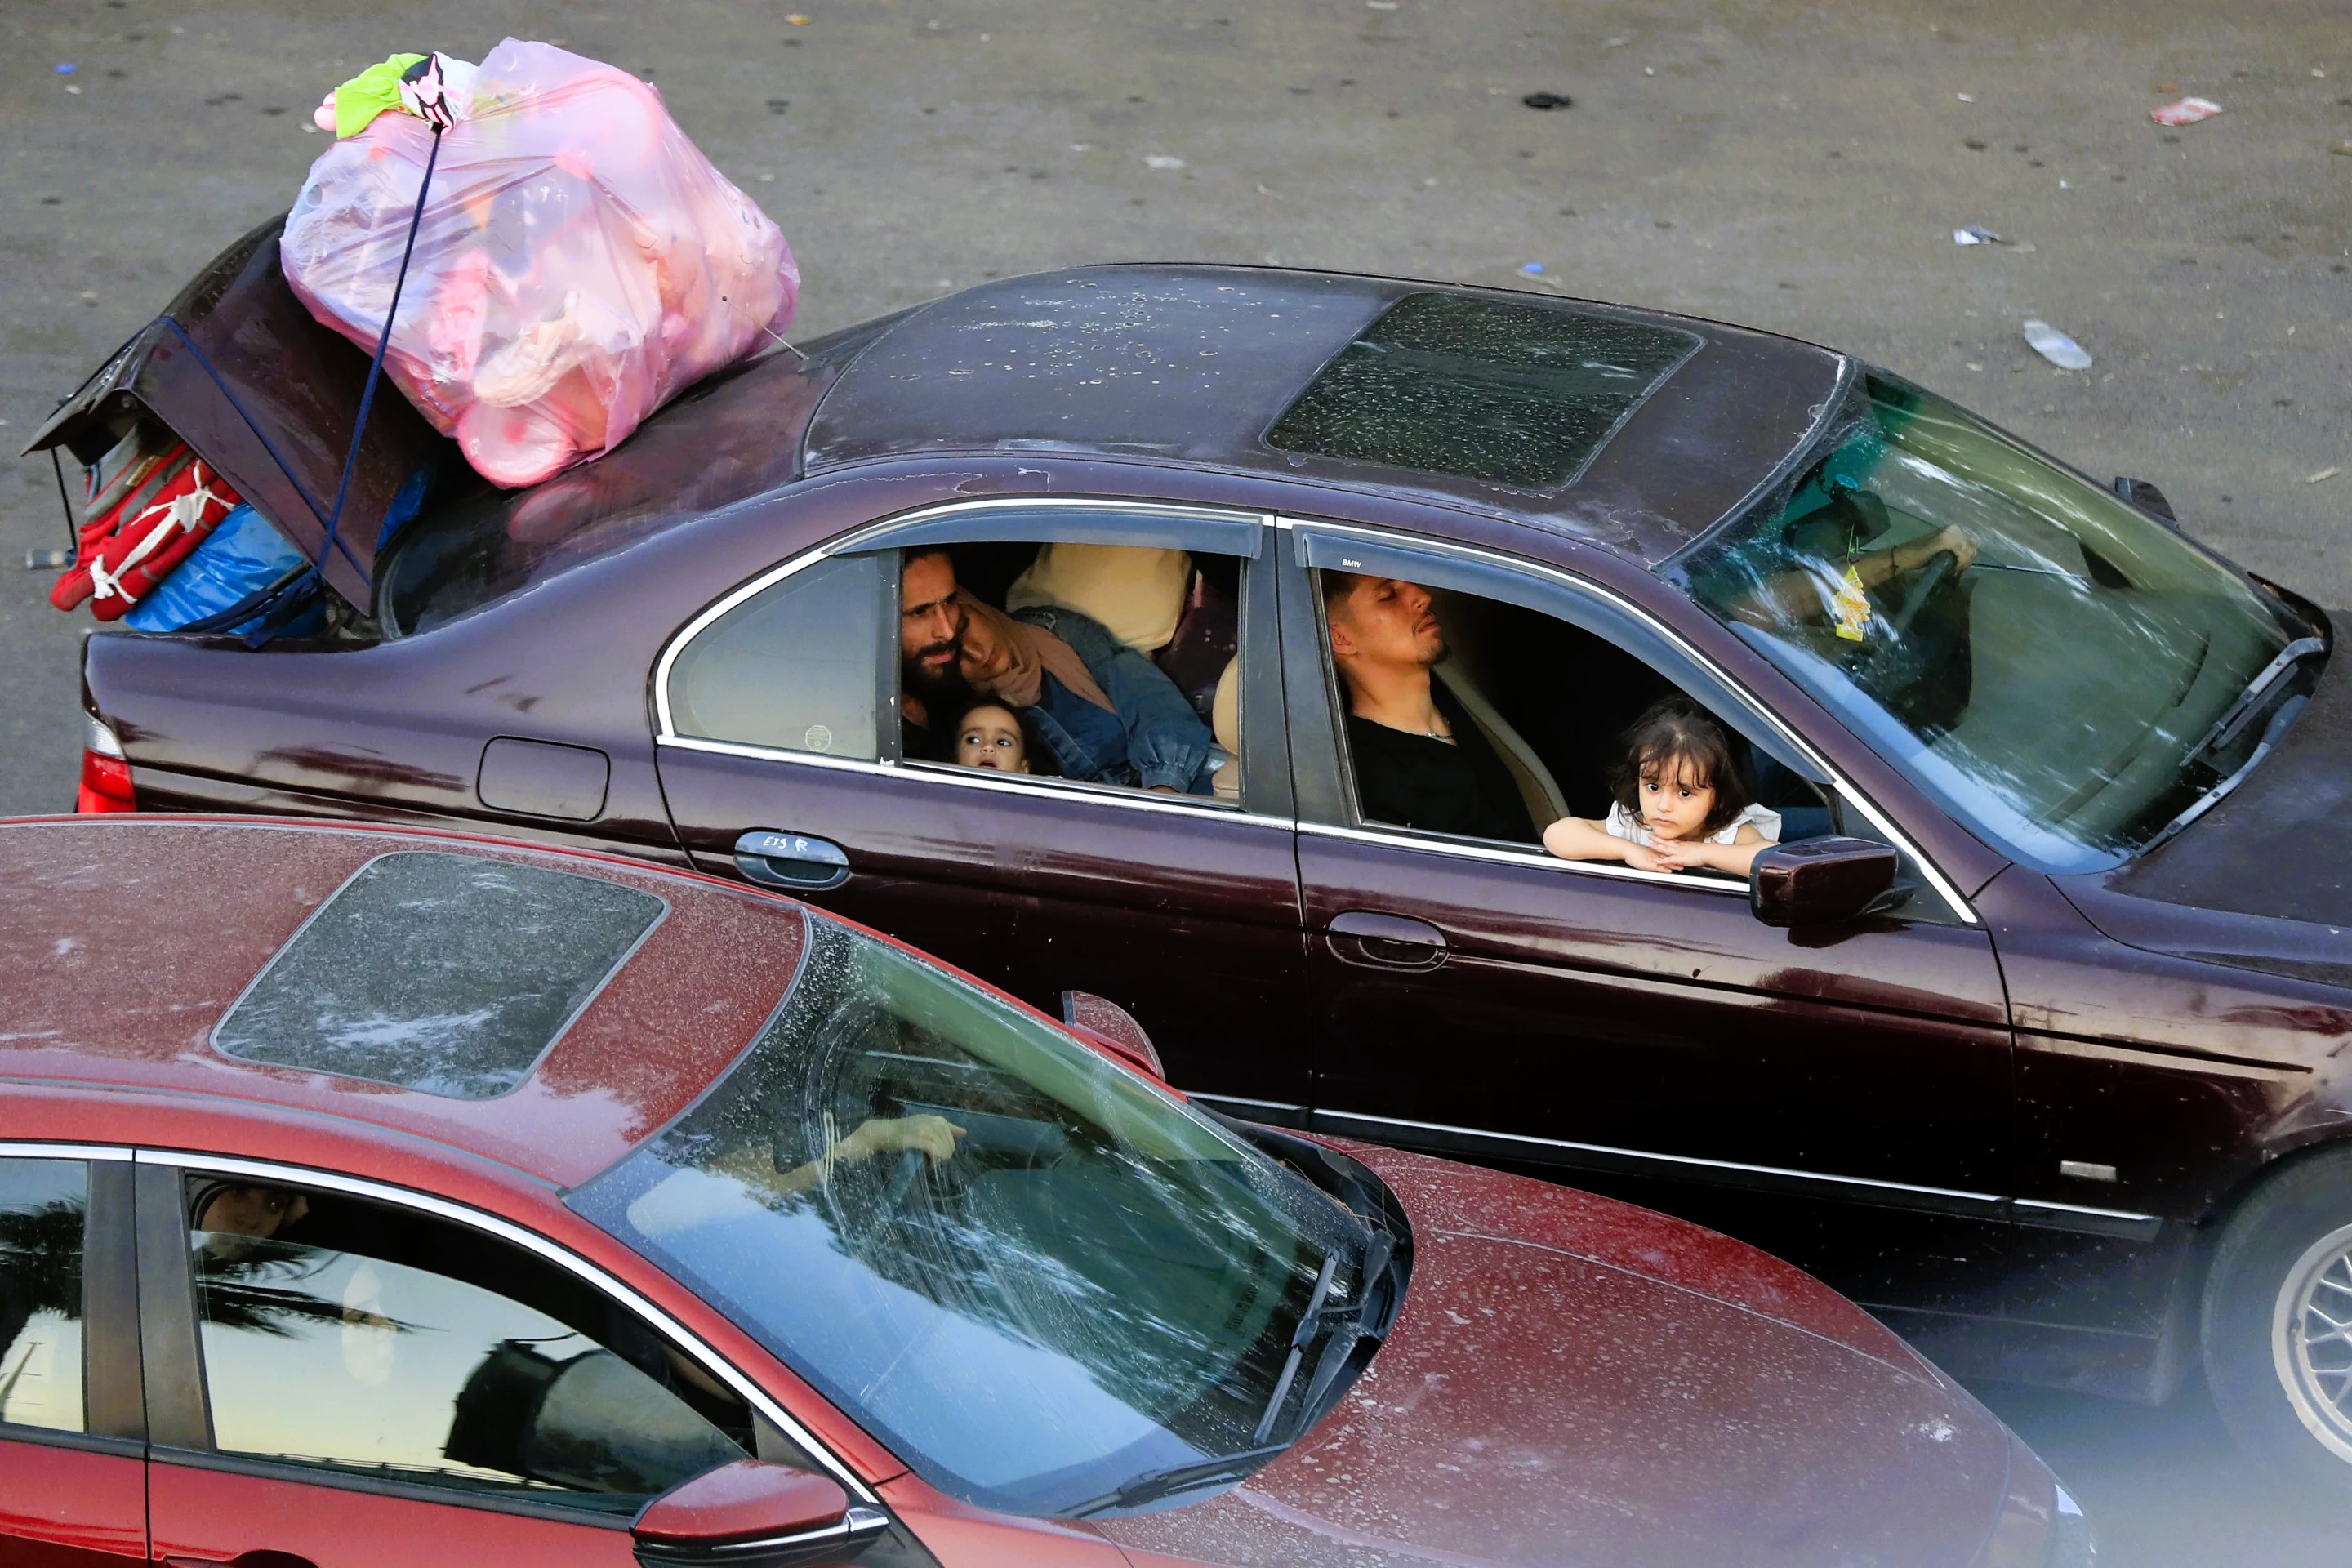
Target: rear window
(1523, 395)
(448, 974)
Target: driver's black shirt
(1416, 781)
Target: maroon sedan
(384, 1197)
(2037, 1047)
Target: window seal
(1527, 857)
(1192, 805)
(84, 1442)
(176, 1164)
(523, 1504)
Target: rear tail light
(105, 774)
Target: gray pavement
(1800, 167)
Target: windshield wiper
(2212, 796)
(1177, 1478)
(2225, 727)
(1309, 1321)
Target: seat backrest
(1136, 590)
(1225, 723)
(1461, 673)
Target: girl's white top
(1767, 823)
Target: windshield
(1034, 1277)
(2062, 673)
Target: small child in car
(989, 735)
(1680, 806)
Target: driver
(934, 1136)
(1832, 589)
(247, 1209)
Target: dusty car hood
(2279, 845)
(1573, 1381)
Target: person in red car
(254, 1211)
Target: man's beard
(934, 684)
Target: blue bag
(242, 556)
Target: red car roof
(128, 939)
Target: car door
(777, 714)
(73, 1484)
(337, 1377)
(1490, 1000)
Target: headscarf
(1036, 653)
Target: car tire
(2282, 1271)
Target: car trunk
(238, 369)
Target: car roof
(131, 939)
(1194, 365)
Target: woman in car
(1107, 713)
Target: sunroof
(450, 974)
(1523, 395)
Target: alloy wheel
(2311, 1339)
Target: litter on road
(1533, 268)
(1548, 100)
(1976, 234)
(2056, 346)
(1162, 160)
(2188, 112)
(2328, 472)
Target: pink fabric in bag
(579, 261)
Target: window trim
(176, 1165)
(983, 520)
(1615, 604)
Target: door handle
(1384, 941)
(794, 861)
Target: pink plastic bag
(580, 262)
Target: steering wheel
(907, 1169)
(1925, 581)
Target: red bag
(143, 522)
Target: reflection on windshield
(1033, 1276)
(2062, 673)
(376, 1368)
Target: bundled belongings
(150, 503)
(578, 261)
(242, 557)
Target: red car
(385, 1196)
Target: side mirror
(755, 1514)
(1105, 1023)
(2146, 497)
(1819, 882)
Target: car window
(360, 1339)
(1113, 664)
(793, 666)
(42, 1207)
(1032, 1275)
(1532, 721)
(1914, 576)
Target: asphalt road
(1796, 167)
